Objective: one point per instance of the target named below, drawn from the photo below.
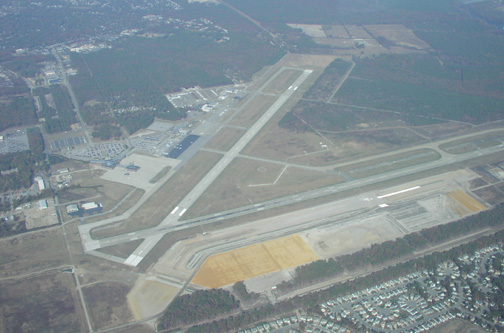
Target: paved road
(72, 94)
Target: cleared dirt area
(107, 304)
(33, 252)
(282, 81)
(149, 297)
(247, 182)
(44, 303)
(225, 138)
(255, 108)
(161, 203)
(466, 203)
(241, 264)
(336, 240)
(491, 195)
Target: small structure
(63, 170)
(42, 204)
(72, 209)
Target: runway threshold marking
(398, 192)
(182, 212)
(174, 210)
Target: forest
(198, 306)
(26, 163)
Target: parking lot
(14, 142)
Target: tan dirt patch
(255, 260)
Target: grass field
(255, 260)
(246, 182)
(44, 303)
(225, 139)
(253, 111)
(282, 81)
(390, 163)
(135, 195)
(33, 252)
(161, 203)
(107, 304)
(160, 175)
(122, 250)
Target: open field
(225, 138)
(336, 31)
(390, 163)
(122, 250)
(241, 264)
(312, 30)
(33, 252)
(398, 34)
(282, 81)
(149, 297)
(161, 203)
(90, 187)
(247, 181)
(44, 303)
(107, 304)
(255, 108)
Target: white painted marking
(295, 88)
(182, 212)
(383, 205)
(290, 87)
(398, 192)
(174, 210)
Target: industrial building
(92, 207)
(72, 209)
(42, 204)
(40, 182)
